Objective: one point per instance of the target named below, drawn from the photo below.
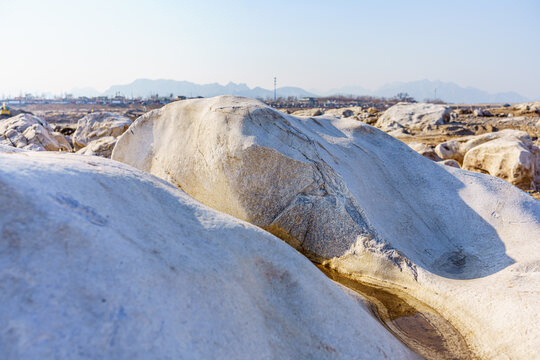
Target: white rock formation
(449, 162)
(528, 107)
(101, 147)
(457, 148)
(425, 151)
(309, 112)
(413, 116)
(508, 154)
(29, 132)
(97, 125)
(345, 112)
(481, 112)
(508, 159)
(102, 261)
(462, 242)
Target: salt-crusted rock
(425, 150)
(102, 261)
(345, 112)
(417, 116)
(481, 112)
(528, 107)
(29, 132)
(309, 112)
(101, 147)
(350, 195)
(452, 163)
(457, 148)
(372, 110)
(97, 125)
(507, 158)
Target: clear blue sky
(58, 45)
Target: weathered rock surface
(97, 125)
(448, 162)
(101, 147)
(482, 112)
(457, 148)
(508, 154)
(528, 107)
(425, 150)
(348, 194)
(29, 132)
(417, 117)
(345, 112)
(509, 159)
(309, 112)
(99, 260)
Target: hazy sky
(59, 45)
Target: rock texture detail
(413, 116)
(98, 125)
(100, 260)
(363, 202)
(508, 154)
(29, 132)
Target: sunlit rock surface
(508, 154)
(100, 260)
(424, 150)
(413, 116)
(30, 132)
(457, 148)
(343, 192)
(101, 147)
(98, 125)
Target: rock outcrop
(457, 148)
(309, 112)
(531, 107)
(29, 132)
(509, 159)
(100, 260)
(508, 154)
(425, 150)
(101, 147)
(449, 162)
(413, 117)
(351, 196)
(97, 125)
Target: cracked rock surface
(30, 132)
(349, 195)
(96, 126)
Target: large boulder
(413, 116)
(508, 154)
(457, 148)
(345, 112)
(29, 132)
(100, 260)
(424, 150)
(309, 112)
(528, 107)
(97, 125)
(101, 147)
(509, 159)
(356, 199)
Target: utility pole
(275, 97)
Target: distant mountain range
(426, 89)
(145, 87)
(420, 90)
(449, 92)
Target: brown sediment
(416, 324)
